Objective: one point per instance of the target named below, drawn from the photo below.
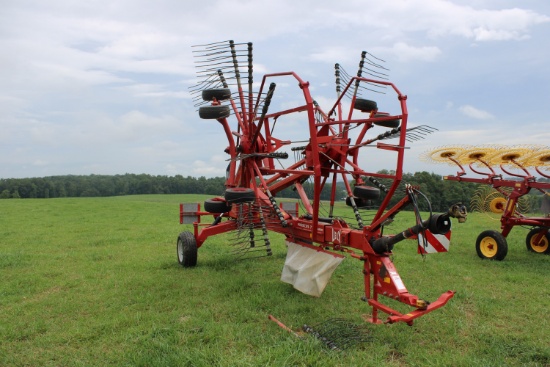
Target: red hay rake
(256, 174)
(526, 161)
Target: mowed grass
(95, 282)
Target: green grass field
(95, 282)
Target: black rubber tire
(214, 112)
(216, 205)
(366, 192)
(187, 250)
(239, 195)
(491, 245)
(392, 124)
(358, 201)
(365, 105)
(544, 248)
(219, 94)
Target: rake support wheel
(217, 94)
(214, 112)
(365, 105)
(239, 195)
(187, 250)
(366, 192)
(390, 123)
(216, 205)
(491, 245)
(543, 247)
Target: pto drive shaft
(437, 224)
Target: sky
(103, 87)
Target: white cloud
(439, 18)
(475, 113)
(339, 53)
(104, 85)
(212, 168)
(406, 53)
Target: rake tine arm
(250, 81)
(264, 111)
(382, 136)
(238, 78)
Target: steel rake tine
(213, 70)
(209, 63)
(213, 44)
(209, 54)
(217, 46)
(248, 249)
(377, 75)
(216, 59)
(211, 59)
(204, 54)
(345, 74)
(205, 83)
(373, 85)
(427, 128)
(377, 58)
(209, 79)
(428, 131)
(197, 91)
(241, 258)
(413, 137)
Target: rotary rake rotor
(506, 196)
(492, 202)
(331, 150)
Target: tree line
(441, 193)
(107, 185)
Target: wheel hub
(488, 247)
(540, 247)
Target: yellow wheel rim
(542, 247)
(497, 205)
(488, 247)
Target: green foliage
(95, 282)
(441, 193)
(104, 185)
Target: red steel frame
(510, 217)
(330, 154)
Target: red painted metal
(331, 153)
(520, 186)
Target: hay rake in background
(317, 239)
(492, 202)
(520, 164)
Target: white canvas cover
(309, 269)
